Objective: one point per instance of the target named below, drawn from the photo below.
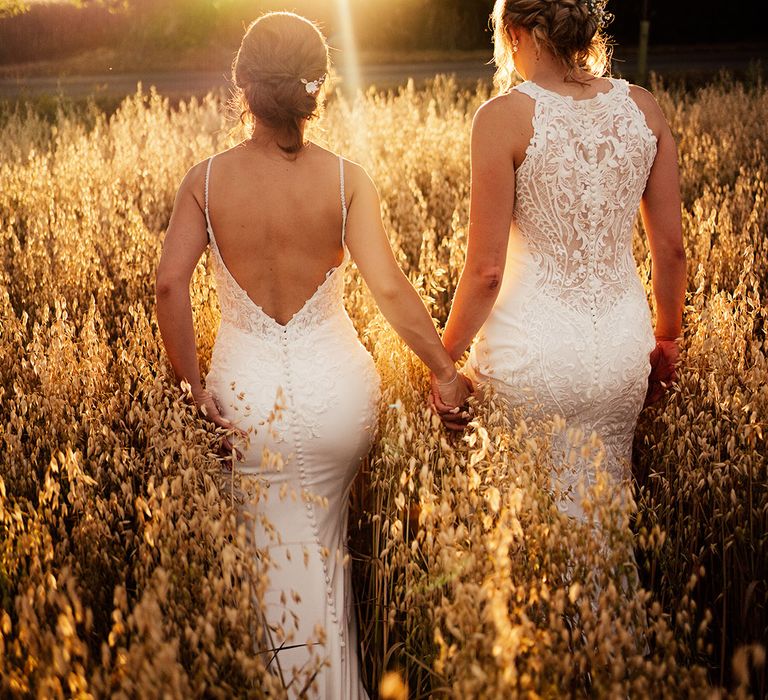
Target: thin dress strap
(207, 178)
(343, 203)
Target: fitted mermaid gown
(307, 392)
(570, 333)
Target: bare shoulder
(357, 180)
(649, 107)
(503, 126)
(502, 109)
(193, 182)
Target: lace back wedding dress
(307, 392)
(571, 333)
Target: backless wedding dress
(571, 333)
(308, 393)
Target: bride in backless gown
(283, 218)
(550, 297)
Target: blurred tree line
(31, 32)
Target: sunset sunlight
(383, 350)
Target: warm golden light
(350, 63)
(349, 58)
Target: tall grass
(123, 569)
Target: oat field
(122, 570)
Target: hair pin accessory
(597, 9)
(313, 86)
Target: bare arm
(662, 219)
(491, 209)
(185, 241)
(398, 300)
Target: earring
(515, 45)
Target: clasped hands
(449, 400)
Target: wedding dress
(307, 392)
(571, 333)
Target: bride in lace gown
(550, 293)
(283, 217)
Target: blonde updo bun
(569, 29)
(278, 51)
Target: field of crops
(123, 572)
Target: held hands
(664, 359)
(208, 406)
(449, 399)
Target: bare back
(277, 222)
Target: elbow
(391, 289)
(487, 279)
(674, 257)
(167, 285)
(390, 294)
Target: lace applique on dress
(571, 331)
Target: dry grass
(122, 568)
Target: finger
(459, 419)
(440, 408)
(657, 393)
(666, 374)
(230, 451)
(437, 401)
(462, 418)
(651, 395)
(229, 426)
(648, 395)
(450, 412)
(443, 407)
(222, 422)
(240, 432)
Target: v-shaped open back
(237, 305)
(306, 394)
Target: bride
(550, 293)
(283, 217)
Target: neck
(266, 137)
(548, 69)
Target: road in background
(692, 62)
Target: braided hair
(572, 30)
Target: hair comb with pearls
(597, 9)
(313, 86)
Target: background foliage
(57, 29)
(123, 571)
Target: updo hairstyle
(570, 29)
(278, 51)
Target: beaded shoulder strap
(343, 202)
(207, 180)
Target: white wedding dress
(308, 392)
(571, 333)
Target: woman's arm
(662, 219)
(185, 241)
(398, 300)
(490, 218)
